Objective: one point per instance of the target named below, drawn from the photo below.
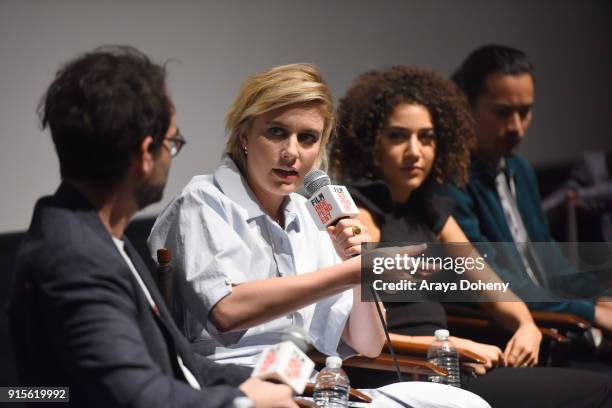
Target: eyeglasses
(175, 143)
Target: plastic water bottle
(443, 353)
(332, 387)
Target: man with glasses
(85, 312)
(176, 143)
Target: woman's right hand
(493, 354)
(347, 236)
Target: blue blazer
(80, 319)
(479, 212)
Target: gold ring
(356, 230)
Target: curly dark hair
(365, 109)
(100, 107)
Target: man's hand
(523, 348)
(268, 395)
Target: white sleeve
(328, 322)
(332, 313)
(206, 248)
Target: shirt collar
(478, 168)
(235, 187)
(504, 167)
(501, 166)
(290, 209)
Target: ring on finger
(356, 229)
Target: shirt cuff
(214, 293)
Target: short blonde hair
(277, 87)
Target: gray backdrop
(215, 45)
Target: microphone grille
(314, 180)
(299, 337)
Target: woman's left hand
(347, 236)
(523, 348)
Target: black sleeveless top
(420, 219)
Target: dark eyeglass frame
(176, 143)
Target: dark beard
(148, 193)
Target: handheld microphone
(327, 203)
(287, 362)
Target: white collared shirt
(220, 236)
(506, 190)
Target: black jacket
(80, 319)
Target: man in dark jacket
(85, 312)
(501, 202)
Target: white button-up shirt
(220, 236)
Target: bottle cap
(333, 362)
(441, 334)
(242, 402)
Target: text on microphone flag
(294, 367)
(270, 359)
(346, 202)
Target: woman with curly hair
(404, 130)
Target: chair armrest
(384, 362)
(420, 350)
(552, 334)
(467, 356)
(354, 395)
(164, 274)
(561, 321)
(487, 325)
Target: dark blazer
(80, 319)
(479, 212)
